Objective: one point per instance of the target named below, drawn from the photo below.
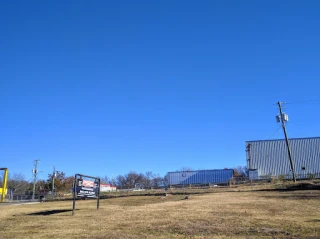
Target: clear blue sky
(106, 87)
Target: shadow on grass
(307, 196)
(314, 220)
(294, 187)
(49, 212)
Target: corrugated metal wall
(200, 177)
(270, 157)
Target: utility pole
(35, 171)
(284, 117)
(53, 178)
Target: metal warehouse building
(270, 157)
(216, 176)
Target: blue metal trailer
(215, 176)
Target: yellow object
(3, 190)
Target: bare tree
(147, 180)
(120, 182)
(165, 181)
(130, 180)
(240, 171)
(133, 178)
(18, 183)
(157, 181)
(105, 179)
(185, 169)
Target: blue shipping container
(214, 176)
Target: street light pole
(35, 171)
(53, 178)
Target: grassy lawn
(233, 214)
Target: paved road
(17, 203)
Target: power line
(299, 122)
(303, 102)
(274, 133)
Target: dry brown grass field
(237, 213)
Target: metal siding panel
(200, 177)
(271, 156)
